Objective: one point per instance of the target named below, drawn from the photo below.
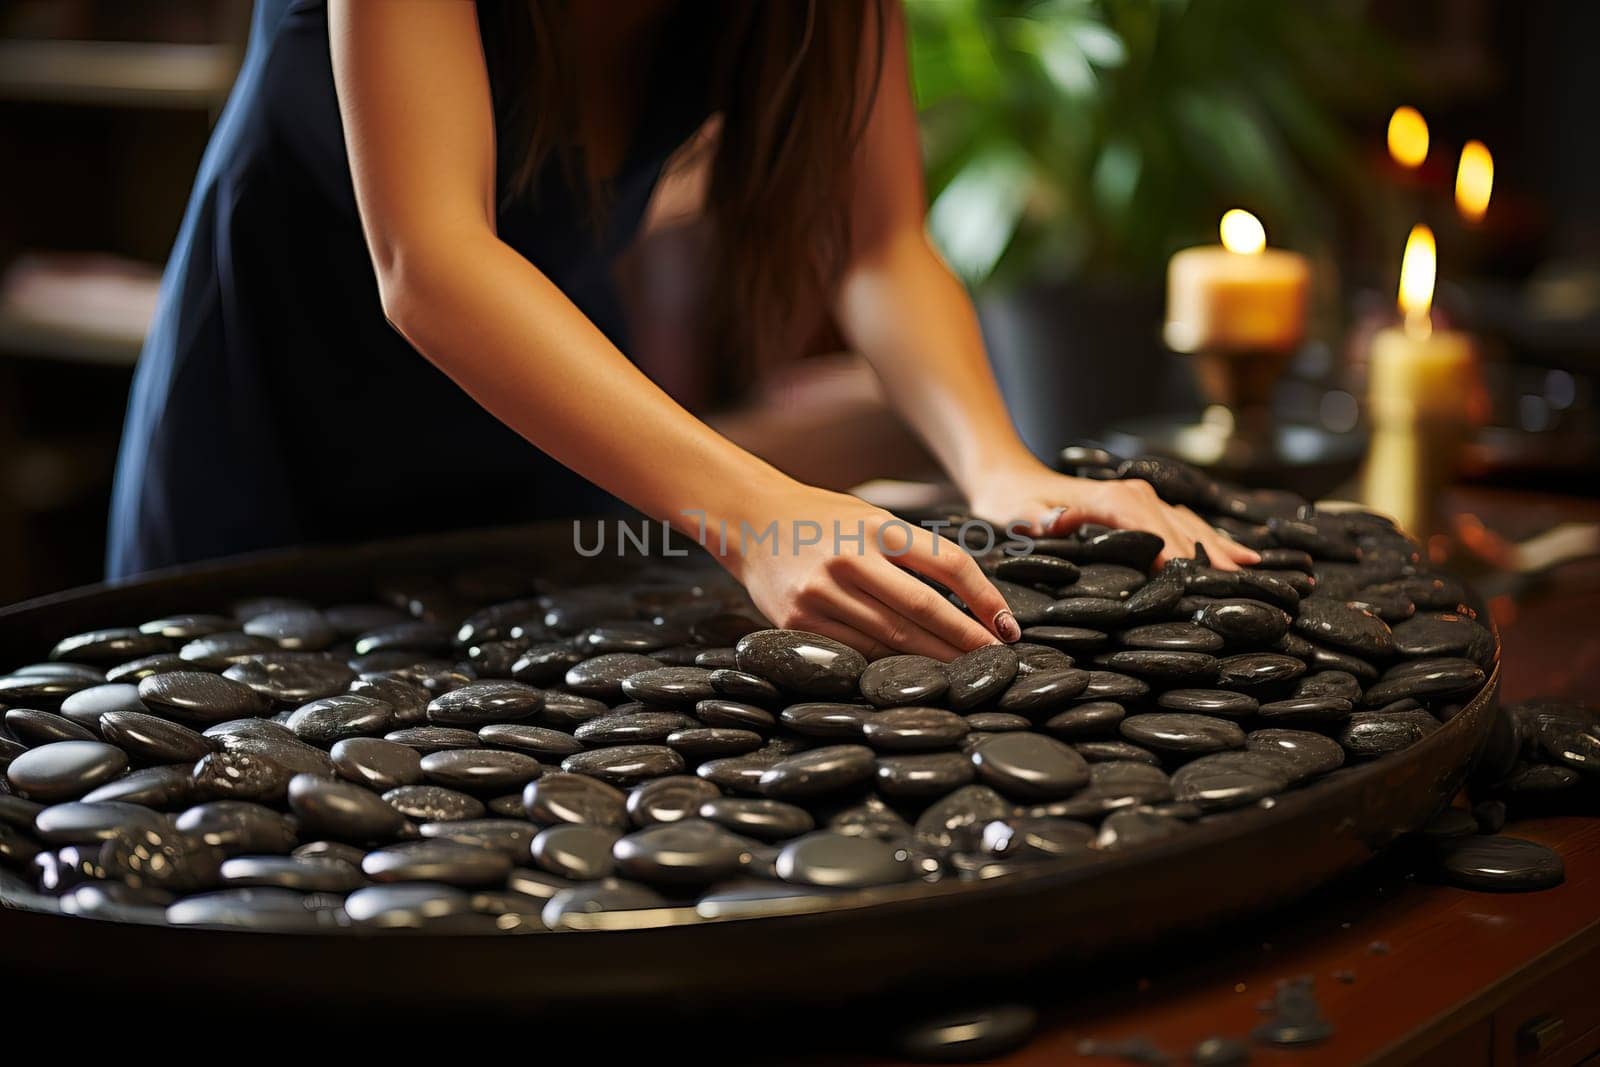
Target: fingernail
(1052, 519)
(1005, 624)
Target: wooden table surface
(1406, 972)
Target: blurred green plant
(1067, 138)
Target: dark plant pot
(1073, 358)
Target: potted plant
(1073, 145)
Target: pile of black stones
(492, 753)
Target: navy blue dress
(273, 404)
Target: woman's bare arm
(419, 129)
(902, 309)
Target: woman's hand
(1051, 504)
(834, 565)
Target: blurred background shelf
(117, 73)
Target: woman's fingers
(952, 568)
(829, 626)
(921, 609)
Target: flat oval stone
(282, 910)
(241, 776)
(1078, 640)
(545, 663)
(914, 729)
(293, 629)
(1032, 658)
(485, 771)
(433, 803)
(1221, 702)
(509, 837)
(304, 874)
(198, 696)
(1182, 734)
(478, 703)
(757, 817)
(575, 798)
(1029, 766)
(449, 862)
(1500, 864)
(1111, 685)
(1044, 691)
(903, 681)
(957, 820)
(1322, 658)
(259, 729)
(296, 756)
(377, 764)
(1194, 668)
(1243, 622)
(1136, 827)
(997, 722)
(1096, 718)
(1309, 710)
(42, 690)
(1171, 637)
(409, 906)
(1229, 779)
(826, 719)
(1112, 581)
(925, 775)
(144, 858)
(35, 728)
(409, 636)
(240, 826)
(1115, 751)
(1425, 679)
(535, 740)
(673, 687)
(1258, 670)
(86, 706)
(64, 770)
(625, 765)
(842, 861)
(733, 684)
(1345, 626)
(1444, 634)
(1308, 754)
(723, 713)
(632, 728)
(1370, 734)
(1037, 569)
(219, 651)
(601, 677)
(162, 788)
(150, 739)
(1088, 612)
(332, 719)
(819, 771)
(707, 742)
(802, 663)
(109, 646)
(81, 823)
(187, 627)
(331, 850)
(341, 811)
(1026, 603)
(580, 851)
(628, 636)
(433, 738)
(689, 852)
(1113, 785)
(1341, 684)
(669, 799)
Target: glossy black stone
(437, 860)
(34, 728)
(1166, 667)
(924, 775)
(686, 853)
(1088, 612)
(1136, 827)
(575, 798)
(1500, 864)
(997, 721)
(802, 663)
(433, 803)
(827, 720)
(819, 771)
(669, 799)
(150, 739)
(832, 859)
(164, 788)
(632, 727)
(1115, 751)
(579, 851)
(1114, 686)
(304, 874)
(1077, 640)
(218, 651)
(239, 826)
(377, 764)
(545, 663)
(1251, 671)
(672, 687)
(249, 909)
(332, 719)
(340, 810)
(1340, 684)
(1044, 691)
(570, 908)
(625, 765)
(742, 686)
(900, 681)
(1222, 702)
(478, 703)
(1370, 734)
(537, 741)
(64, 770)
(1230, 779)
(484, 771)
(292, 678)
(1425, 679)
(1182, 734)
(1307, 710)
(1444, 634)
(914, 730)
(1029, 766)
(1308, 754)
(82, 822)
(1096, 718)
(1245, 623)
(433, 738)
(1171, 637)
(198, 696)
(1344, 626)
(1029, 605)
(414, 906)
(109, 647)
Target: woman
(455, 179)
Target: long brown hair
(792, 82)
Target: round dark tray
(893, 941)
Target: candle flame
(1474, 180)
(1242, 232)
(1408, 137)
(1417, 270)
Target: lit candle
(1408, 137)
(1474, 181)
(1237, 296)
(1421, 383)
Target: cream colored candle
(1239, 295)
